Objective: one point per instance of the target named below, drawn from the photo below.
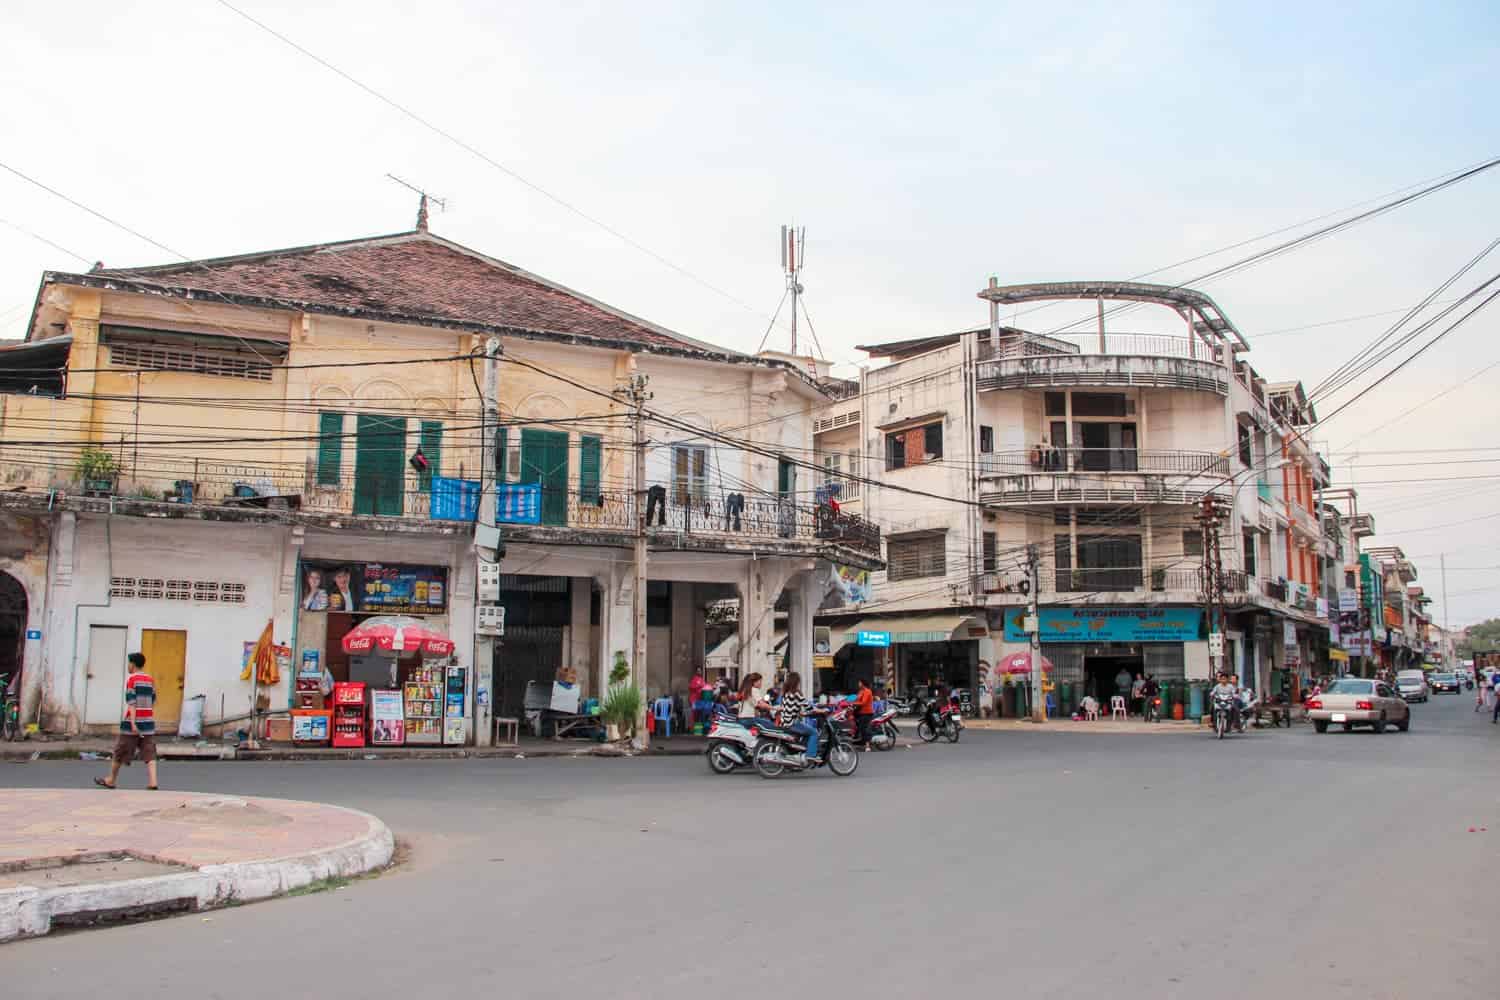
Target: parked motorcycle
(1223, 713)
(883, 731)
(781, 750)
(10, 711)
(941, 720)
(732, 742)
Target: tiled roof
(411, 274)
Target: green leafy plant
(620, 672)
(622, 706)
(96, 464)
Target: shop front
(911, 651)
(375, 663)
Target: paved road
(1034, 864)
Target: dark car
(1444, 683)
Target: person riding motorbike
(1226, 690)
(1149, 690)
(864, 711)
(792, 714)
(1245, 702)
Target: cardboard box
(278, 730)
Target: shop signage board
(1348, 600)
(374, 588)
(1110, 625)
(1216, 644)
(873, 638)
(33, 633)
(1289, 632)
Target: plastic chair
(1117, 707)
(661, 710)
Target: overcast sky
(924, 148)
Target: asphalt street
(1034, 864)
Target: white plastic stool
(1117, 707)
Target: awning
(920, 628)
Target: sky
(648, 153)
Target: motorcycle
(1152, 708)
(10, 711)
(941, 721)
(883, 731)
(1223, 713)
(732, 742)
(781, 750)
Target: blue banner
(1110, 624)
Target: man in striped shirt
(138, 727)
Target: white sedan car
(1356, 701)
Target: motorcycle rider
(1245, 701)
(1230, 691)
(1149, 690)
(864, 712)
(792, 714)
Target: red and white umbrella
(1020, 663)
(397, 634)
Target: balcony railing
(1122, 579)
(840, 489)
(724, 516)
(1128, 460)
(1138, 344)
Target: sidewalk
(71, 858)
(1102, 725)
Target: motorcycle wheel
(953, 731)
(843, 759)
(926, 732)
(719, 761)
(1220, 725)
(882, 740)
(766, 762)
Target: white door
(104, 691)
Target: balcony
(1362, 525)
(1305, 522)
(1101, 476)
(1174, 582)
(1114, 359)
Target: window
(590, 453)
(1062, 559)
(831, 464)
(986, 440)
(1108, 562)
(689, 474)
(430, 440)
(914, 446)
(991, 552)
(1192, 543)
(1062, 515)
(1247, 453)
(150, 357)
(330, 447)
(1099, 404)
(1056, 404)
(916, 556)
(1248, 541)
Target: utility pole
(1034, 621)
(1209, 518)
(1447, 637)
(487, 535)
(635, 391)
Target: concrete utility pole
(1034, 620)
(1447, 637)
(487, 535)
(635, 390)
(1209, 519)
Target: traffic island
(71, 858)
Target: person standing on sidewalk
(138, 727)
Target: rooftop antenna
(793, 243)
(442, 203)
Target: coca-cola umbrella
(397, 634)
(1020, 663)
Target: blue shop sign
(873, 638)
(1110, 625)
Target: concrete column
(800, 627)
(616, 624)
(699, 640)
(580, 592)
(681, 666)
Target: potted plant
(1159, 578)
(623, 702)
(98, 471)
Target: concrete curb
(29, 912)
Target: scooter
(732, 742)
(883, 731)
(781, 750)
(1223, 712)
(945, 720)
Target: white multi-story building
(1095, 452)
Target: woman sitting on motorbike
(752, 697)
(792, 713)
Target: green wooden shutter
(590, 450)
(432, 449)
(379, 465)
(330, 447)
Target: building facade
(298, 437)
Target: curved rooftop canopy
(1201, 310)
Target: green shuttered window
(330, 447)
(432, 450)
(591, 450)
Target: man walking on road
(138, 727)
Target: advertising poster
(374, 588)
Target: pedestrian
(1482, 692)
(1137, 704)
(695, 693)
(138, 727)
(864, 713)
(1122, 683)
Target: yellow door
(166, 661)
